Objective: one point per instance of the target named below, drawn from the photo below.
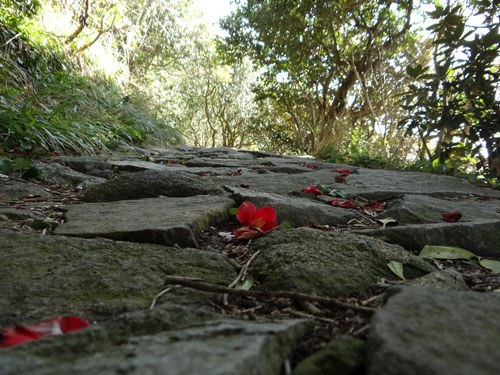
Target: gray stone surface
(378, 183)
(149, 184)
(344, 355)
(297, 210)
(218, 347)
(447, 279)
(46, 276)
(431, 332)
(482, 237)
(93, 166)
(435, 330)
(12, 190)
(422, 209)
(137, 165)
(163, 220)
(327, 263)
(58, 174)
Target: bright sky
(214, 10)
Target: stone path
(145, 214)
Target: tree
(315, 53)
(454, 102)
(210, 102)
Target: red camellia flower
(56, 326)
(256, 221)
(312, 189)
(452, 217)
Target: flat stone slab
(299, 211)
(149, 184)
(482, 237)
(432, 332)
(378, 184)
(422, 209)
(58, 174)
(327, 263)
(12, 190)
(163, 220)
(223, 346)
(46, 276)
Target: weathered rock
(422, 209)
(17, 214)
(93, 166)
(447, 279)
(344, 355)
(163, 220)
(482, 237)
(46, 276)
(58, 174)
(380, 184)
(12, 190)
(224, 347)
(299, 211)
(426, 331)
(327, 263)
(137, 165)
(149, 184)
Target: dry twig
(207, 287)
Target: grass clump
(47, 105)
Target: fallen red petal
(343, 203)
(313, 190)
(343, 171)
(452, 217)
(245, 186)
(19, 334)
(340, 178)
(265, 218)
(375, 206)
(245, 212)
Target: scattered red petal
(55, 153)
(237, 173)
(245, 186)
(340, 178)
(308, 165)
(269, 164)
(264, 218)
(18, 334)
(452, 217)
(170, 162)
(483, 198)
(202, 174)
(313, 189)
(343, 171)
(255, 167)
(344, 203)
(247, 233)
(245, 212)
(375, 206)
(281, 154)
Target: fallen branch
(207, 287)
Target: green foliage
(20, 166)
(318, 56)
(45, 103)
(455, 104)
